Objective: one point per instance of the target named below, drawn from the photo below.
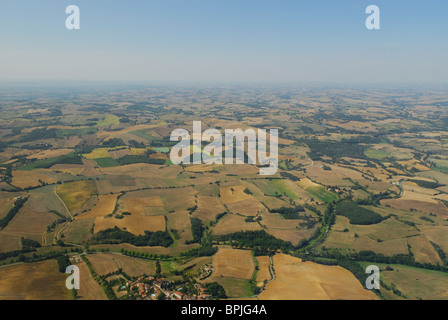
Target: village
(151, 288)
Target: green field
(322, 194)
(75, 132)
(143, 134)
(70, 158)
(106, 162)
(412, 283)
(376, 154)
(109, 120)
(283, 188)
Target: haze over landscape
(201, 40)
(91, 180)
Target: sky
(225, 41)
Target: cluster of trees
(440, 252)
(130, 159)
(15, 253)
(145, 255)
(116, 235)
(20, 254)
(63, 263)
(335, 150)
(18, 204)
(426, 184)
(47, 256)
(114, 142)
(71, 158)
(370, 256)
(216, 290)
(357, 214)
(256, 240)
(39, 134)
(289, 176)
(29, 244)
(197, 229)
(290, 213)
(203, 251)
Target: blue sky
(225, 40)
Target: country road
(66, 209)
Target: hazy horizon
(201, 41)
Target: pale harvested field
(233, 263)
(156, 202)
(133, 266)
(133, 223)
(180, 221)
(33, 281)
(204, 167)
(297, 280)
(144, 170)
(442, 196)
(233, 223)
(287, 230)
(104, 206)
(423, 206)
(141, 206)
(441, 177)
(24, 179)
(178, 199)
(242, 169)
(46, 154)
(102, 264)
(423, 250)
(413, 192)
(90, 169)
(263, 265)
(6, 202)
(72, 169)
(333, 177)
(208, 208)
(233, 194)
(437, 234)
(89, 289)
(30, 221)
(248, 207)
(9, 242)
